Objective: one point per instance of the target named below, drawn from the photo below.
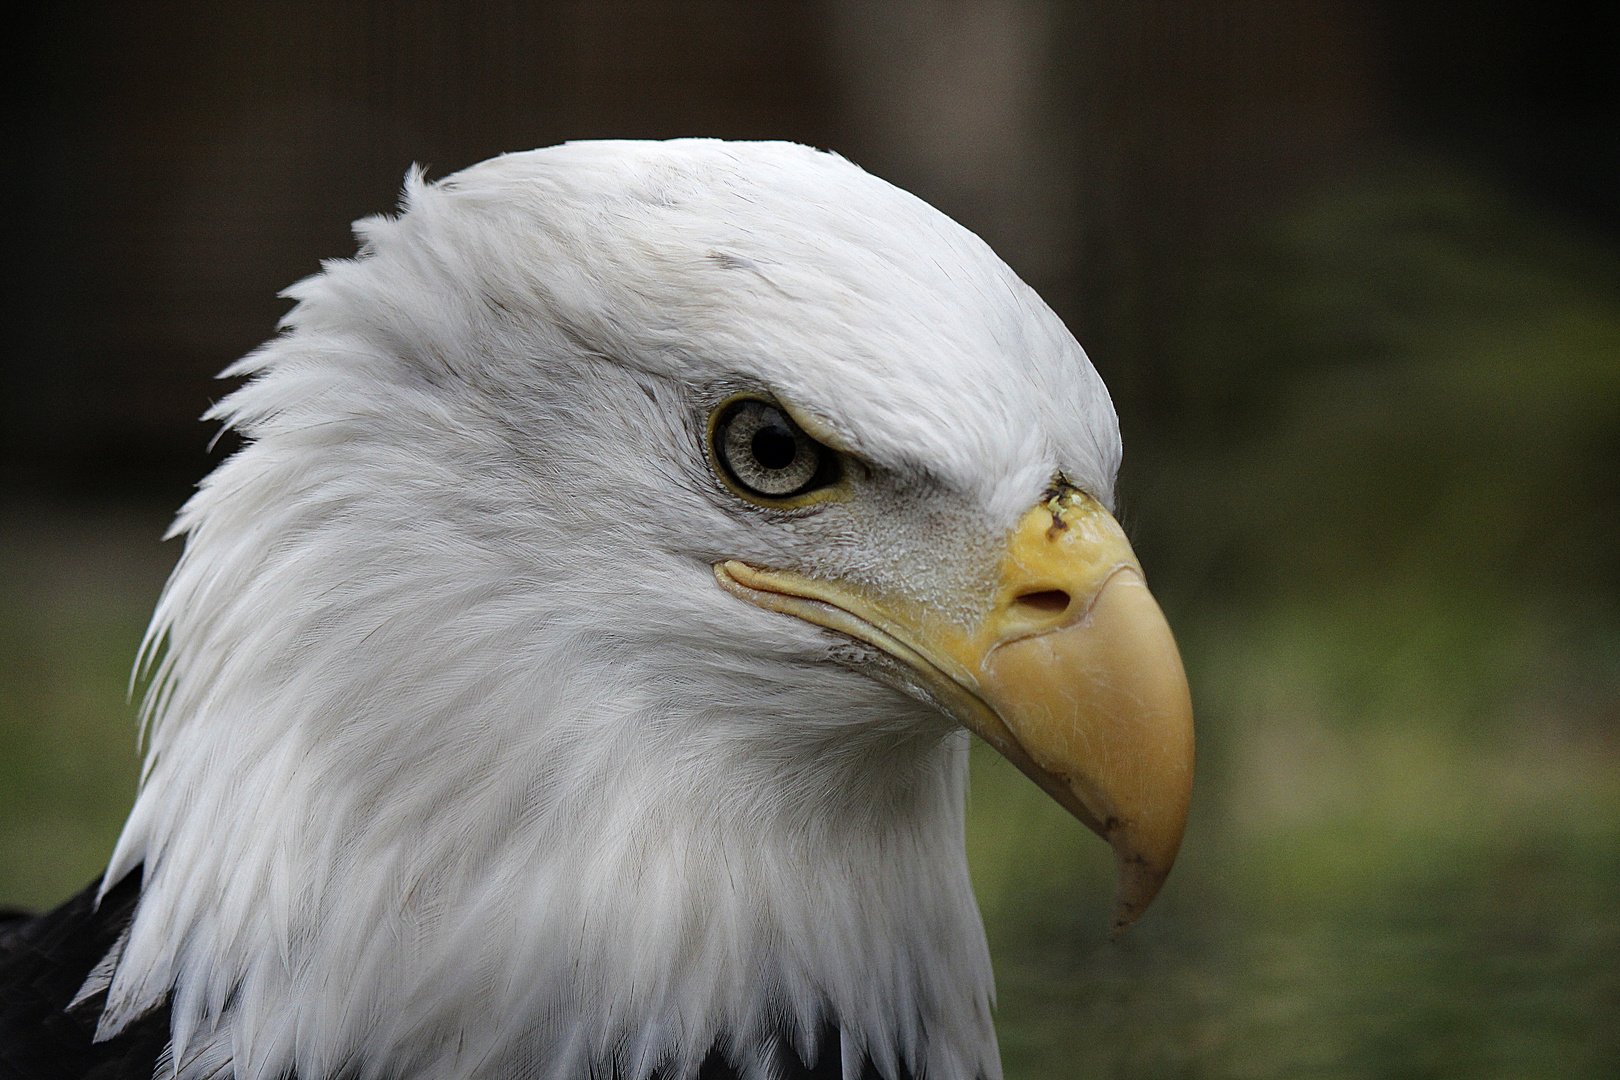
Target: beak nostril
(1045, 602)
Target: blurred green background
(1351, 269)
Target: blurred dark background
(1350, 269)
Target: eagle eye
(765, 454)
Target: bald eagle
(572, 675)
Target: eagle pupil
(774, 446)
(764, 453)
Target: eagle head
(573, 672)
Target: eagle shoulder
(45, 1034)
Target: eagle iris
(766, 454)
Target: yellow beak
(1072, 675)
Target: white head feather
(460, 763)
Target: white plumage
(460, 764)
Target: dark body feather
(45, 959)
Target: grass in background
(78, 588)
(1383, 522)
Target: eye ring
(766, 456)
